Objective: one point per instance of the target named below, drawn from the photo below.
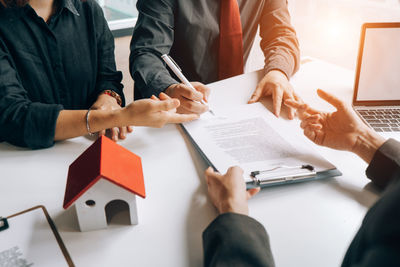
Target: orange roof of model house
(108, 160)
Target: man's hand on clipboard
(228, 192)
(342, 129)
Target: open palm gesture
(339, 130)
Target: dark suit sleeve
(153, 36)
(236, 240)
(377, 241)
(385, 163)
(380, 255)
(279, 41)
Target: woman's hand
(155, 112)
(106, 102)
(147, 112)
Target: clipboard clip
(305, 171)
(3, 224)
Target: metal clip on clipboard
(3, 224)
(276, 175)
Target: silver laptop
(376, 96)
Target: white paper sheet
(254, 139)
(29, 241)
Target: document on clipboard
(268, 149)
(30, 238)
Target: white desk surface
(310, 224)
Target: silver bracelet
(87, 124)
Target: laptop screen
(378, 68)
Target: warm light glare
(335, 31)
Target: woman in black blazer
(58, 77)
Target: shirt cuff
(281, 63)
(161, 83)
(40, 125)
(385, 164)
(158, 85)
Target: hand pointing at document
(276, 84)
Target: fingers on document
(291, 110)
(277, 97)
(256, 95)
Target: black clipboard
(5, 225)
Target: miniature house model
(106, 172)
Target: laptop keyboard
(382, 120)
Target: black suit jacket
(238, 240)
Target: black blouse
(46, 67)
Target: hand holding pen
(193, 96)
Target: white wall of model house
(90, 207)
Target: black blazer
(238, 240)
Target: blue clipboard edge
(196, 146)
(250, 185)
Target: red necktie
(230, 40)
